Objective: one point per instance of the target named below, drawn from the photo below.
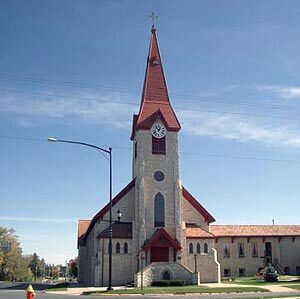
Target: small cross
(153, 17)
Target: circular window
(159, 176)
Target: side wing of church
(165, 233)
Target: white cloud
(101, 110)
(105, 110)
(239, 128)
(282, 91)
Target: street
(20, 294)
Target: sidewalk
(272, 288)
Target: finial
(153, 17)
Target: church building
(164, 231)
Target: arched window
(125, 247)
(205, 248)
(198, 248)
(191, 248)
(118, 248)
(159, 210)
(166, 275)
(159, 145)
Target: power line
(135, 91)
(182, 153)
(135, 104)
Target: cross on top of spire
(153, 17)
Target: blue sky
(74, 70)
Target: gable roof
(254, 230)
(121, 230)
(193, 231)
(193, 201)
(82, 228)
(155, 93)
(158, 234)
(105, 209)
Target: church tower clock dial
(158, 130)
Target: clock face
(158, 130)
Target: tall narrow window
(191, 248)
(159, 210)
(227, 273)
(205, 248)
(159, 145)
(118, 248)
(125, 247)
(226, 251)
(254, 250)
(135, 149)
(198, 248)
(241, 250)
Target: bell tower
(155, 156)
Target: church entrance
(161, 246)
(159, 254)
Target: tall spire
(155, 99)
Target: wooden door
(159, 254)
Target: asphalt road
(18, 294)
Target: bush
(168, 283)
(177, 282)
(271, 274)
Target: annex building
(164, 230)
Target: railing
(278, 267)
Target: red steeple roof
(155, 99)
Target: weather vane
(153, 17)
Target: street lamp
(109, 152)
(119, 214)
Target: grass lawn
(296, 287)
(179, 290)
(283, 279)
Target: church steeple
(155, 99)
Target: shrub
(271, 274)
(167, 283)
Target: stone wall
(155, 271)
(205, 263)
(121, 263)
(191, 215)
(289, 249)
(144, 167)
(284, 250)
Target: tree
(12, 264)
(35, 265)
(73, 267)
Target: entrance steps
(165, 270)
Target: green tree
(35, 265)
(73, 267)
(13, 265)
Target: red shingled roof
(193, 201)
(254, 230)
(193, 231)
(161, 238)
(82, 228)
(155, 98)
(121, 230)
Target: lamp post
(109, 152)
(142, 268)
(195, 257)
